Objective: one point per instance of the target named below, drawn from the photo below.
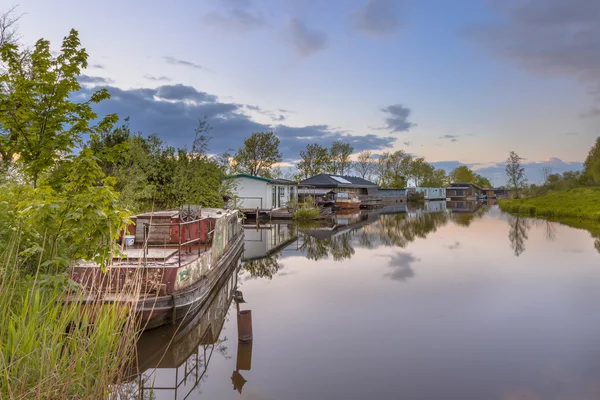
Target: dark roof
(260, 178)
(283, 182)
(463, 184)
(327, 180)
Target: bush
(306, 212)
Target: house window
(273, 197)
(292, 193)
(281, 191)
(460, 193)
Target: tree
(314, 161)
(515, 174)
(259, 154)
(393, 169)
(419, 170)
(591, 166)
(462, 174)
(364, 165)
(8, 26)
(38, 118)
(339, 158)
(437, 178)
(546, 172)
(482, 181)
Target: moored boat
(176, 257)
(345, 201)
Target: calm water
(390, 305)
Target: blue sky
(455, 82)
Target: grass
(53, 349)
(579, 204)
(306, 212)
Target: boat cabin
(463, 192)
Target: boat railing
(185, 243)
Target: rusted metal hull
(156, 311)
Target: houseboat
(430, 193)
(346, 202)
(175, 257)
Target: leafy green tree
(364, 164)
(515, 174)
(419, 170)
(436, 178)
(313, 161)
(259, 154)
(39, 120)
(482, 181)
(462, 174)
(339, 158)
(393, 169)
(591, 166)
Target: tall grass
(580, 203)
(53, 345)
(306, 212)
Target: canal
(393, 304)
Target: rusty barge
(174, 258)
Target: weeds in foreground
(55, 345)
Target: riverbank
(578, 203)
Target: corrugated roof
(326, 180)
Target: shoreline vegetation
(571, 204)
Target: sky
(455, 82)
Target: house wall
(251, 194)
(432, 193)
(284, 192)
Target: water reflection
(517, 233)
(436, 277)
(172, 361)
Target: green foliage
(306, 212)
(39, 122)
(393, 169)
(259, 154)
(464, 174)
(515, 174)
(52, 349)
(591, 167)
(339, 158)
(435, 178)
(572, 203)
(314, 161)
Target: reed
(59, 341)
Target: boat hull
(156, 311)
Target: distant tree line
(260, 155)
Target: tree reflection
(264, 267)
(388, 230)
(517, 234)
(465, 219)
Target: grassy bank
(53, 349)
(578, 203)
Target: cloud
(571, 133)
(454, 246)
(98, 66)
(302, 40)
(274, 117)
(452, 138)
(235, 15)
(86, 79)
(397, 119)
(181, 92)
(547, 37)
(173, 111)
(407, 143)
(377, 17)
(175, 61)
(402, 264)
(158, 78)
(496, 173)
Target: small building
(463, 192)
(393, 195)
(353, 185)
(255, 192)
(432, 193)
